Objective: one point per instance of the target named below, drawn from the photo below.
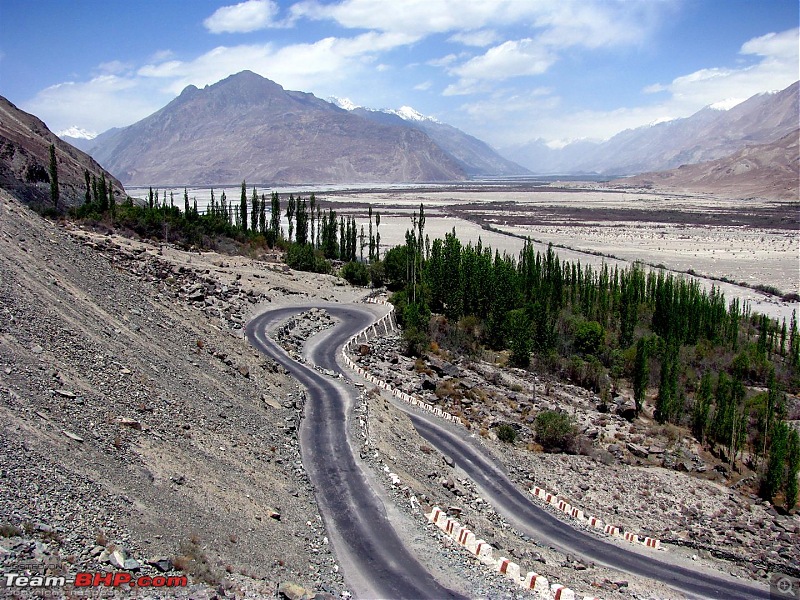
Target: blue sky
(507, 71)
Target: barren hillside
(764, 170)
(134, 415)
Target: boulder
(293, 591)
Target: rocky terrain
(764, 170)
(141, 432)
(629, 472)
(25, 160)
(136, 419)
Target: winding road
(375, 561)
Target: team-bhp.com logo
(90, 580)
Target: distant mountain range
(249, 128)
(477, 158)
(763, 170)
(25, 160)
(709, 134)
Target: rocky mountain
(25, 160)
(248, 127)
(476, 157)
(709, 134)
(764, 170)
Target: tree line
(599, 326)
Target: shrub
(506, 433)
(589, 337)
(355, 273)
(304, 258)
(555, 430)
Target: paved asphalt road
(376, 563)
(370, 540)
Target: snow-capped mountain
(77, 133)
(409, 114)
(476, 157)
(712, 133)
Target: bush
(355, 273)
(506, 433)
(589, 337)
(303, 258)
(555, 430)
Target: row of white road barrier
(386, 324)
(578, 514)
(484, 552)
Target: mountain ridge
(247, 127)
(708, 134)
(25, 159)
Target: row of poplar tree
(595, 325)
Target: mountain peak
(77, 133)
(344, 103)
(409, 114)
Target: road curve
(541, 525)
(376, 563)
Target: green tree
(702, 407)
(54, 192)
(243, 207)
(589, 337)
(275, 217)
(356, 273)
(290, 208)
(88, 197)
(641, 373)
(793, 460)
(776, 465)
(520, 342)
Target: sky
(506, 71)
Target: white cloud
(244, 17)
(297, 66)
(480, 38)
(520, 118)
(548, 26)
(776, 66)
(443, 61)
(98, 104)
(424, 86)
(509, 59)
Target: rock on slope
(764, 170)
(248, 127)
(25, 160)
(128, 417)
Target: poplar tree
(88, 196)
(254, 210)
(641, 374)
(54, 192)
(793, 460)
(242, 221)
(313, 206)
(776, 466)
(702, 407)
(275, 217)
(290, 208)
